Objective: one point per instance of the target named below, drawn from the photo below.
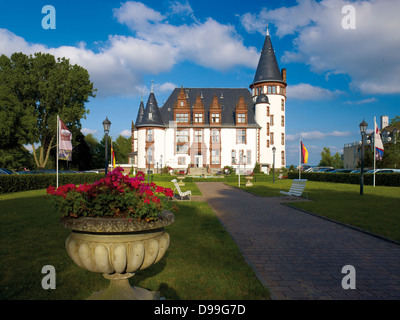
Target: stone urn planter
(249, 183)
(180, 178)
(117, 248)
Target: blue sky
(336, 76)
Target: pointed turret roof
(151, 116)
(268, 69)
(140, 113)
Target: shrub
(24, 182)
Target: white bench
(296, 190)
(181, 194)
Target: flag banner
(378, 144)
(65, 145)
(304, 153)
(112, 155)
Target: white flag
(65, 145)
(378, 144)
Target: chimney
(283, 74)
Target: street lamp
(273, 164)
(363, 130)
(106, 126)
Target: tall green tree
(330, 161)
(43, 88)
(122, 146)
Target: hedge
(381, 179)
(24, 182)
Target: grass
(203, 262)
(376, 211)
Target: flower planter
(249, 183)
(181, 183)
(117, 248)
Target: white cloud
(305, 91)
(316, 135)
(126, 133)
(364, 101)
(87, 131)
(368, 54)
(118, 65)
(208, 44)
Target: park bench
(181, 195)
(296, 190)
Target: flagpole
(374, 147)
(58, 141)
(300, 159)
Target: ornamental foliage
(115, 196)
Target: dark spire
(140, 113)
(268, 69)
(151, 115)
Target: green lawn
(203, 262)
(377, 210)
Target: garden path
(300, 256)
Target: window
(241, 157)
(272, 119)
(267, 111)
(181, 103)
(215, 117)
(241, 136)
(149, 155)
(182, 148)
(215, 136)
(182, 117)
(198, 118)
(182, 136)
(181, 160)
(215, 155)
(282, 121)
(248, 157)
(198, 136)
(271, 135)
(283, 139)
(283, 105)
(241, 118)
(274, 89)
(233, 157)
(267, 143)
(283, 157)
(267, 128)
(150, 136)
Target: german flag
(304, 153)
(112, 155)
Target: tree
(43, 88)
(330, 161)
(122, 146)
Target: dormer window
(198, 118)
(241, 118)
(215, 118)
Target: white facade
(215, 127)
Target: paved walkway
(300, 256)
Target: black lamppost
(363, 130)
(273, 164)
(106, 126)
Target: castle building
(210, 128)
